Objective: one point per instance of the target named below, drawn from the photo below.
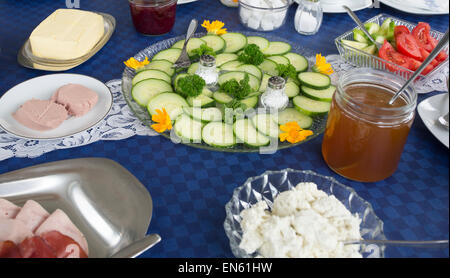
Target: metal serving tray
(105, 201)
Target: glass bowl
(263, 19)
(268, 185)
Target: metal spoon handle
(439, 47)
(361, 25)
(137, 247)
(406, 243)
(191, 30)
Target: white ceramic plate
(185, 1)
(424, 7)
(430, 110)
(335, 6)
(43, 87)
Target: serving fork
(184, 61)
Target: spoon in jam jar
(439, 47)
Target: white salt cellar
(308, 17)
(207, 70)
(274, 98)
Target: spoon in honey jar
(439, 47)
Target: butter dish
(27, 59)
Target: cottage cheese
(304, 223)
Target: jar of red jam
(365, 136)
(153, 17)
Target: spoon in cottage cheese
(405, 243)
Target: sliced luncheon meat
(60, 222)
(64, 246)
(8, 209)
(77, 99)
(13, 230)
(36, 247)
(41, 114)
(32, 215)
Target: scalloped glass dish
(318, 126)
(26, 58)
(362, 59)
(268, 185)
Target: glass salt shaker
(207, 70)
(274, 97)
(308, 17)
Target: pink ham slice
(77, 99)
(7, 209)
(13, 230)
(60, 222)
(32, 215)
(41, 114)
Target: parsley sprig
(190, 85)
(204, 50)
(237, 89)
(286, 71)
(251, 55)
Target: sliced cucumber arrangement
(146, 89)
(234, 42)
(215, 117)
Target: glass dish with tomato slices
(411, 44)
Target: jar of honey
(365, 135)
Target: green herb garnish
(190, 85)
(286, 71)
(238, 90)
(251, 55)
(204, 50)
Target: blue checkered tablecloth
(190, 187)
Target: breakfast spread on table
(240, 92)
(69, 100)
(32, 232)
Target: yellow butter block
(67, 34)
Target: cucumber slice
(239, 75)
(359, 36)
(215, 42)
(218, 135)
(207, 92)
(247, 133)
(193, 68)
(322, 95)
(291, 89)
(354, 44)
(371, 49)
(269, 67)
(254, 94)
(311, 107)
(293, 115)
(379, 38)
(224, 58)
(193, 44)
(200, 101)
(254, 70)
(146, 89)
(234, 42)
(222, 97)
(279, 59)
(162, 65)
(171, 55)
(175, 81)
(231, 66)
(172, 102)
(384, 28)
(266, 124)
(372, 27)
(250, 102)
(277, 48)
(261, 42)
(314, 80)
(148, 74)
(299, 62)
(206, 115)
(264, 82)
(188, 129)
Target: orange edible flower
(135, 64)
(215, 27)
(162, 120)
(322, 66)
(293, 133)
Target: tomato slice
(400, 29)
(388, 53)
(442, 55)
(425, 54)
(421, 34)
(406, 44)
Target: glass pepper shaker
(207, 70)
(308, 17)
(274, 97)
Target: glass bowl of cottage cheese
(300, 214)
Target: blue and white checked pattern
(190, 187)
